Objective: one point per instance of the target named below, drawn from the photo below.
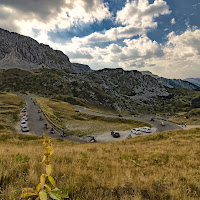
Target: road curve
(156, 123)
(37, 126)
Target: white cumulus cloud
(141, 14)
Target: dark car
(119, 115)
(115, 134)
(152, 119)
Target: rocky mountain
(195, 81)
(112, 88)
(82, 68)
(149, 73)
(174, 83)
(17, 51)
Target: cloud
(173, 21)
(40, 9)
(112, 34)
(80, 54)
(141, 14)
(7, 19)
(185, 44)
(136, 17)
(178, 58)
(181, 55)
(48, 15)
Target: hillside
(115, 89)
(159, 166)
(149, 167)
(17, 51)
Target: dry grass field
(163, 166)
(66, 116)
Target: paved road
(107, 137)
(38, 127)
(156, 123)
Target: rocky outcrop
(81, 67)
(115, 88)
(17, 51)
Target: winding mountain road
(38, 127)
(156, 123)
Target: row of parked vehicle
(136, 131)
(24, 119)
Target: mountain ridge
(195, 81)
(17, 51)
(173, 83)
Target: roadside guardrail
(55, 125)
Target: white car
(146, 129)
(23, 123)
(136, 131)
(162, 124)
(24, 118)
(25, 129)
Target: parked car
(119, 115)
(115, 134)
(23, 123)
(146, 129)
(25, 129)
(25, 118)
(152, 119)
(24, 110)
(162, 124)
(136, 131)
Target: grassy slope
(10, 106)
(64, 114)
(162, 166)
(191, 118)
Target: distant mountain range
(191, 84)
(195, 81)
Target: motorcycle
(52, 131)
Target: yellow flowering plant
(43, 190)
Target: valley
(117, 134)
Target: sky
(161, 36)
